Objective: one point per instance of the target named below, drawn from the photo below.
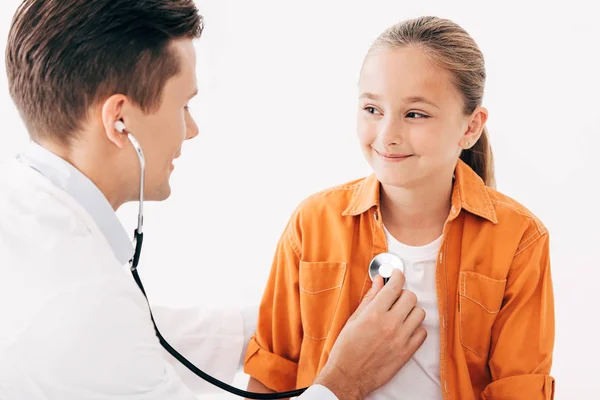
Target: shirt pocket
(320, 289)
(480, 300)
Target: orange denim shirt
(494, 291)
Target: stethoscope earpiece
(120, 126)
(383, 264)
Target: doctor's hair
(65, 56)
(452, 48)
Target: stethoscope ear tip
(120, 126)
(383, 264)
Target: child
(476, 260)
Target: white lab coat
(74, 326)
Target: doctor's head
(420, 104)
(76, 67)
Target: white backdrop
(276, 111)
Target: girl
(476, 260)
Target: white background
(276, 111)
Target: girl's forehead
(405, 72)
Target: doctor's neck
(102, 165)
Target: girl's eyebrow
(410, 99)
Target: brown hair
(63, 57)
(451, 47)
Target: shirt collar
(469, 193)
(68, 178)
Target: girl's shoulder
(511, 211)
(335, 200)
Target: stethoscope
(382, 264)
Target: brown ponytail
(481, 160)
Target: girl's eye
(371, 110)
(416, 115)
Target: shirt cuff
(533, 386)
(317, 392)
(250, 320)
(275, 372)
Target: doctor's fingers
(409, 333)
(413, 322)
(403, 306)
(375, 288)
(416, 340)
(387, 297)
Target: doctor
(74, 325)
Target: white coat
(73, 324)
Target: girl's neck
(416, 216)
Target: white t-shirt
(420, 377)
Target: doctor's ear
(114, 127)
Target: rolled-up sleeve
(523, 334)
(274, 350)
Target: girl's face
(411, 122)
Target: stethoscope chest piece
(383, 264)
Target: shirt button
(376, 216)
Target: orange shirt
(494, 291)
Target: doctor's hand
(377, 341)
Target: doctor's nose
(192, 127)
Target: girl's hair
(451, 47)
